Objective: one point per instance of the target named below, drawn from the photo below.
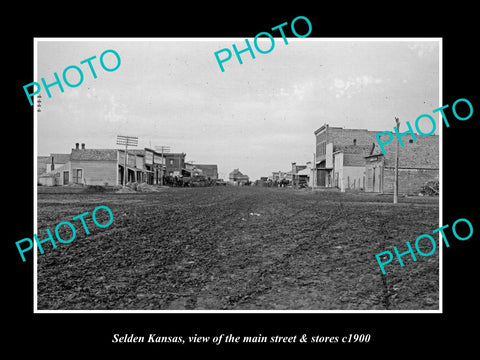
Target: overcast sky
(259, 116)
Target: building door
(130, 176)
(373, 177)
(66, 175)
(369, 180)
(321, 176)
(120, 175)
(377, 179)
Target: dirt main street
(226, 248)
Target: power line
(162, 149)
(127, 141)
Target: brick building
(329, 140)
(174, 163)
(418, 162)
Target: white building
(349, 167)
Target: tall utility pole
(395, 184)
(162, 149)
(127, 141)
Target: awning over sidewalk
(134, 168)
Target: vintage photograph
(258, 185)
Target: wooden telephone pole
(395, 184)
(127, 141)
(163, 149)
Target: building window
(77, 176)
(354, 141)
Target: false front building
(108, 167)
(351, 159)
(330, 140)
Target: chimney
(83, 146)
(76, 146)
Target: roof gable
(43, 159)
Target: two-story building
(352, 159)
(329, 140)
(136, 171)
(174, 163)
(298, 175)
(281, 175)
(237, 178)
(154, 166)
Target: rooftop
(326, 126)
(59, 158)
(237, 174)
(94, 154)
(134, 151)
(44, 159)
(206, 166)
